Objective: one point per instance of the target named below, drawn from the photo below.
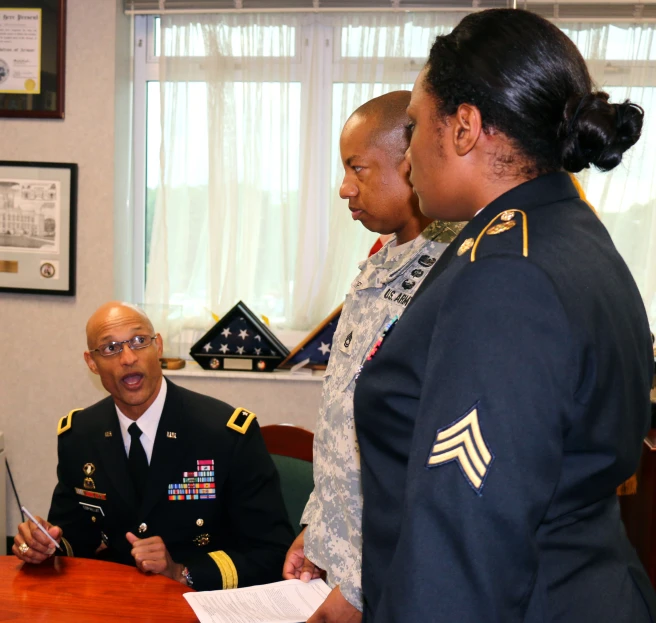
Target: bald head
(386, 120)
(128, 363)
(112, 314)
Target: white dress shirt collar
(148, 423)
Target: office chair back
(290, 448)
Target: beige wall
(273, 400)
(42, 373)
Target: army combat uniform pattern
(213, 492)
(381, 291)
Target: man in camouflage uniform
(372, 145)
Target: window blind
(566, 10)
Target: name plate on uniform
(94, 508)
(237, 364)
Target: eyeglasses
(135, 343)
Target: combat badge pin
(88, 469)
(462, 442)
(465, 246)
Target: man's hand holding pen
(31, 544)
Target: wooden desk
(78, 590)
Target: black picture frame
(49, 102)
(38, 223)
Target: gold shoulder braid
(66, 422)
(500, 223)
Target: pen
(40, 527)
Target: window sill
(192, 369)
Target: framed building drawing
(37, 227)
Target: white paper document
(290, 601)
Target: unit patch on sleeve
(462, 442)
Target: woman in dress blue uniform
(498, 416)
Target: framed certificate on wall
(37, 227)
(32, 58)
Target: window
(240, 120)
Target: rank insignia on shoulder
(462, 442)
(240, 420)
(66, 422)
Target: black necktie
(137, 461)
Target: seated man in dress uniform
(160, 477)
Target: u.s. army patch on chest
(402, 298)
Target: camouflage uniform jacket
(333, 514)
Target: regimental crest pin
(462, 442)
(499, 228)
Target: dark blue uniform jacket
(496, 421)
(237, 539)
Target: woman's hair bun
(596, 132)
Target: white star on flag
(258, 351)
(243, 334)
(226, 332)
(324, 348)
(257, 337)
(240, 350)
(207, 348)
(224, 348)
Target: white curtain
(622, 60)
(226, 206)
(246, 204)
(378, 53)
